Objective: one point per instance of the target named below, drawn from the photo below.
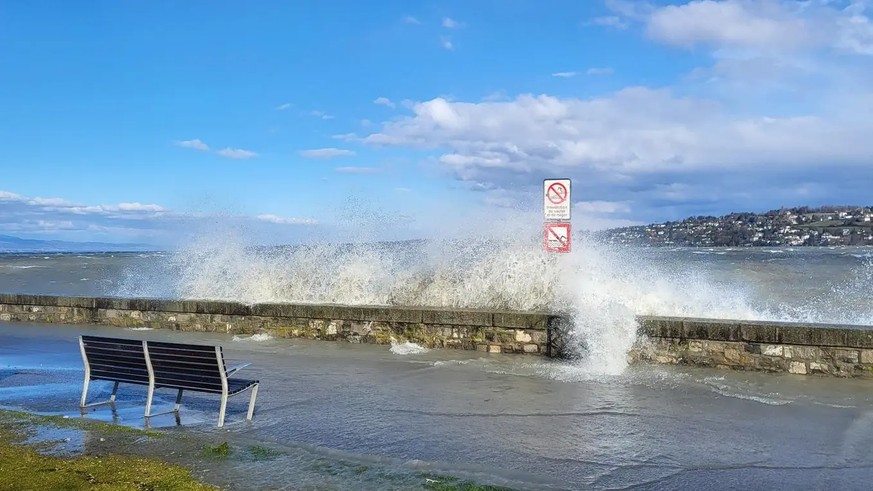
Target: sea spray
(601, 288)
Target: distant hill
(9, 243)
(803, 226)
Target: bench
(162, 365)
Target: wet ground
(343, 416)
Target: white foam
(601, 288)
(260, 337)
(407, 348)
(140, 329)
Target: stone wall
(488, 331)
(840, 350)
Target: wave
(602, 288)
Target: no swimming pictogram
(556, 199)
(557, 193)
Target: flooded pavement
(343, 416)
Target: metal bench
(115, 360)
(159, 365)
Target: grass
(443, 483)
(22, 467)
(221, 451)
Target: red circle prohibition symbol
(560, 192)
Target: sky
(142, 121)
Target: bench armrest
(236, 368)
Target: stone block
(812, 336)
(867, 356)
(845, 355)
(494, 348)
(713, 330)
(520, 320)
(760, 332)
(859, 338)
(797, 367)
(732, 355)
(457, 317)
(332, 328)
(803, 352)
(531, 348)
(522, 336)
(482, 347)
(772, 350)
(816, 367)
(661, 327)
(5, 317)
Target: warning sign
(557, 237)
(556, 199)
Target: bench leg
(84, 391)
(148, 409)
(178, 401)
(252, 403)
(114, 391)
(222, 410)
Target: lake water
(518, 421)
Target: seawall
(798, 348)
(488, 331)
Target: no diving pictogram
(557, 237)
(557, 193)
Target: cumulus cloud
(446, 43)
(284, 107)
(411, 20)
(564, 74)
(326, 153)
(450, 23)
(384, 101)
(236, 153)
(59, 218)
(196, 144)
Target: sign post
(556, 215)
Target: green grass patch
(221, 451)
(22, 418)
(263, 453)
(443, 483)
(22, 467)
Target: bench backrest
(115, 359)
(187, 366)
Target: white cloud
(411, 20)
(564, 74)
(450, 23)
(326, 153)
(598, 71)
(321, 114)
(446, 43)
(286, 221)
(136, 206)
(730, 23)
(384, 101)
(356, 170)
(236, 153)
(196, 144)
(7, 196)
(284, 107)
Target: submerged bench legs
(111, 400)
(223, 410)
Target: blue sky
(125, 121)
